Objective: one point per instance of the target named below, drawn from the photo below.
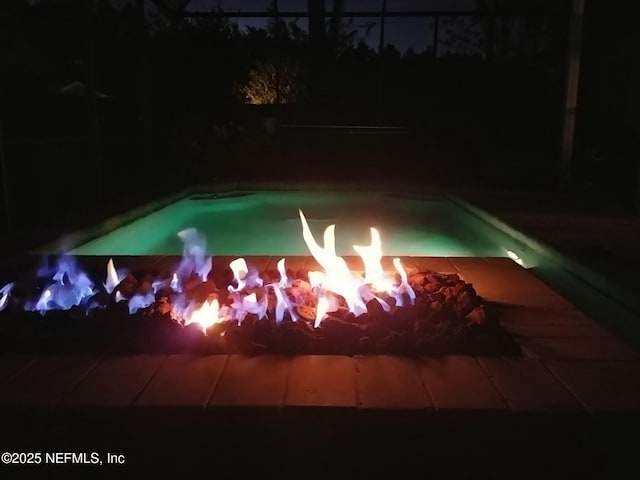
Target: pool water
(268, 223)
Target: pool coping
(613, 291)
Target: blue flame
(194, 259)
(70, 287)
(4, 295)
(140, 301)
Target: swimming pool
(268, 223)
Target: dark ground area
(330, 443)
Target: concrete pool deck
(570, 364)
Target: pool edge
(81, 236)
(618, 294)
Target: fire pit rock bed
(447, 317)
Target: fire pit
(238, 309)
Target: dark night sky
(403, 32)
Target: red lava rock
(417, 281)
(401, 323)
(300, 293)
(477, 315)
(164, 291)
(102, 298)
(344, 314)
(458, 288)
(300, 324)
(306, 312)
(463, 304)
(163, 306)
(193, 332)
(365, 345)
(436, 306)
(298, 336)
(221, 278)
(452, 278)
(470, 290)
(375, 309)
(363, 319)
(270, 275)
(201, 291)
(249, 321)
(431, 277)
(335, 328)
(438, 297)
(145, 288)
(424, 327)
(431, 287)
(391, 301)
(128, 286)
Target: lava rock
(127, 287)
(101, 299)
(375, 309)
(340, 331)
(306, 312)
(346, 316)
(417, 281)
(192, 334)
(145, 288)
(163, 306)
(477, 315)
(164, 291)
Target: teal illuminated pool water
(268, 223)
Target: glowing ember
(205, 316)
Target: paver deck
(570, 364)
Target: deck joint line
(89, 371)
(216, 382)
(149, 380)
(20, 370)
